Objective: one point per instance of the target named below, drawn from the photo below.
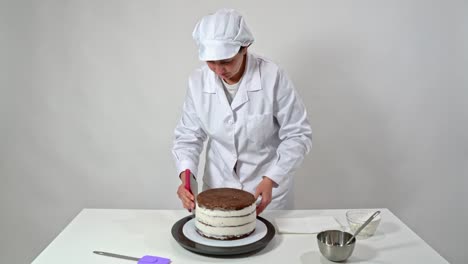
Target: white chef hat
(220, 35)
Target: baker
(247, 110)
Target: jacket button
(230, 122)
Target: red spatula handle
(187, 180)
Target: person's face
(229, 69)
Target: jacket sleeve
(295, 132)
(189, 138)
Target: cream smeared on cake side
(232, 214)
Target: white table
(148, 232)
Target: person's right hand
(185, 196)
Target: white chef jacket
(263, 132)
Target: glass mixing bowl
(357, 217)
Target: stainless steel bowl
(332, 244)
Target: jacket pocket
(260, 128)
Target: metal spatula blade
(144, 259)
(107, 254)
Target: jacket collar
(251, 78)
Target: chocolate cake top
(225, 199)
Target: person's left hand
(264, 189)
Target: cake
(225, 214)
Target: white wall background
(90, 92)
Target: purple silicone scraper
(142, 260)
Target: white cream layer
(223, 232)
(225, 220)
(225, 213)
